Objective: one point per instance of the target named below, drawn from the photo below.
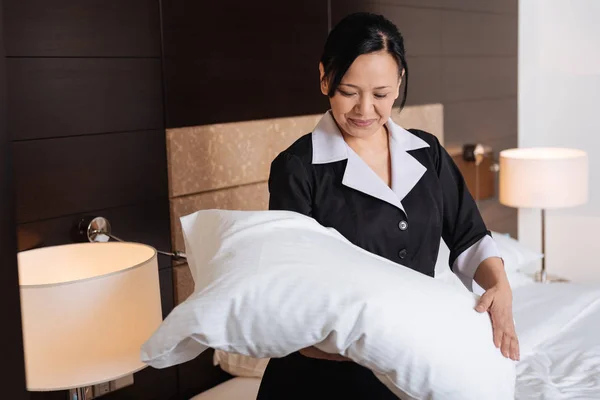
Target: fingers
(505, 338)
(498, 336)
(505, 347)
(485, 301)
(514, 349)
(510, 347)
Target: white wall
(559, 105)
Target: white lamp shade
(543, 177)
(86, 309)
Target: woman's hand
(497, 301)
(313, 352)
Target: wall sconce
(87, 309)
(98, 229)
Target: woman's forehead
(373, 70)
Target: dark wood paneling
(421, 28)
(500, 143)
(146, 223)
(470, 78)
(199, 375)
(75, 28)
(411, 3)
(63, 97)
(424, 83)
(493, 6)
(243, 61)
(480, 121)
(59, 395)
(149, 384)
(479, 34)
(167, 290)
(13, 380)
(66, 176)
(499, 218)
(485, 6)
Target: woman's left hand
(497, 301)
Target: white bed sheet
(238, 388)
(559, 332)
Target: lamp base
(93, 392)
(546, 278)
(84, 393)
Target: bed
(558, 324)
(559, 330)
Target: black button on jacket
(322, 177)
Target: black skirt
(297, 377)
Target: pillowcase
(517, 256)
(269, 283)
(240, 365)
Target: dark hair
(357, 34)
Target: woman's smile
(361, 123)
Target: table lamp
(87, 308)
(543, 178)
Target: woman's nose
(363, 106)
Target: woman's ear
(399, 84)
(322, 80)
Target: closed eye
(344, 93)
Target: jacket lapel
(406, 170)
(330, 146)
(358, 175)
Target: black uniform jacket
(322, 177)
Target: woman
(393, 192)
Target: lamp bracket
(98, 229)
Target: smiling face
(363, 101)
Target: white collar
(329, 146)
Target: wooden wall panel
(488, 6)
(476, 78)
(479, 34)
(13, 379)
(420, 27)
(90, 28)
(86, 118)
(139, 222)
(481, 120)
(425, 78)
(239, 61)
(64, 176)
(51, 97)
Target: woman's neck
(371, 145)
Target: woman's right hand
(313, 352)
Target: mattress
(558, 326)
(239, 388)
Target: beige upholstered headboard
(227, 165)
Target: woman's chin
(360, 132)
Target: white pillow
(516, 256)
(240, 365)
(269, 283)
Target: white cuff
(467, 262)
